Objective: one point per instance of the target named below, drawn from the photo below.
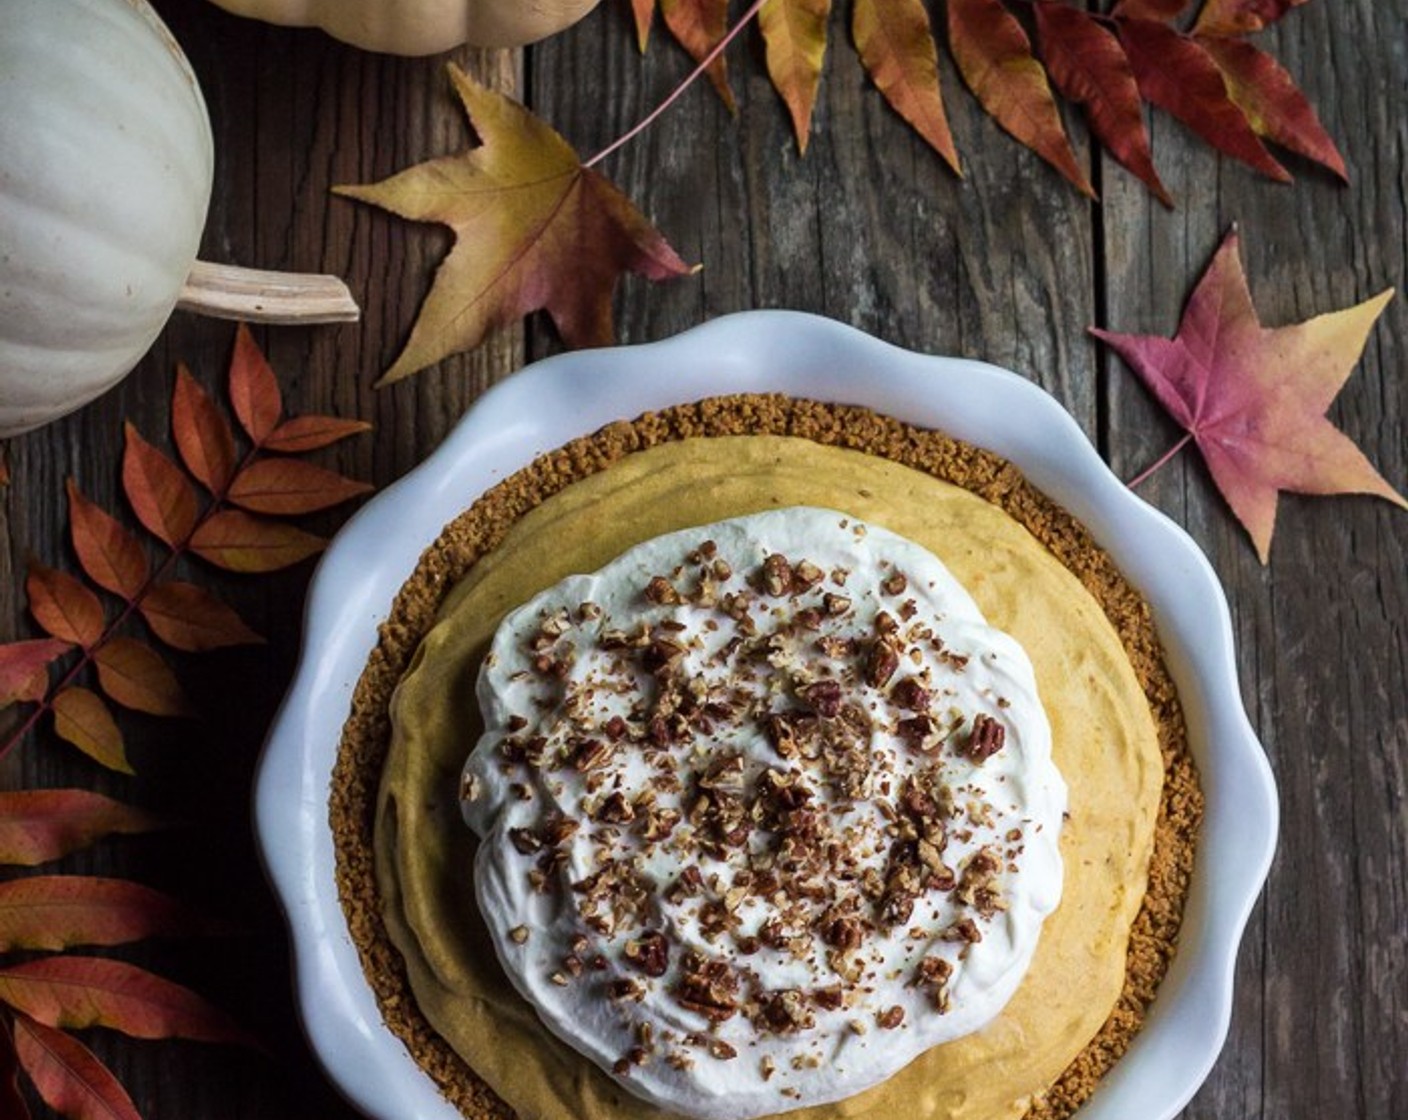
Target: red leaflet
(77, 992)
(309, 433)
(291, 486)
(699, 26)
(202, 434)
(109, 553)
(1240, 17)
(254, 392)
(644, 11)
(11, 1101)
(81, 718)
(63, 606)
(24, 669)
(54, 912)
(1165, 10)
(241, 543)
(794, 38)
(1274, 107)
(134, 675)
(1178, 75)
(895, 41)
(1090, 68)
(161, 495)
(190, 618)
(995, 57)
(69, 1077)
(38, 825)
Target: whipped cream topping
(766, 810)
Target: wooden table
(1010, 265)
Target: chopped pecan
(845, 933)
(777, 575)
(911, 694)
(805, 576)
(836, 605)
(917, 733)
(891, 1018)
(591, 754)
(880, 666)
(986, 739)
(895, 584)
(662, 592)
(786, 1012)
(965, 930)
(650, 952)
(823, 697)
(708, 988)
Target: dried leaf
(81, 718)
(11, 1099)
(1179, 76)
(1254, 399)
(109, 552)
(1090, 68)
(76, 992)
(794, 38)
(1240, 17)
(699, 26)
(644, 12)
(895, 41)
(24, 669)
(54, 912)
(238, 542)
(533, 229)
(202, 434)
(1166, 10)
(68, 1076)
(1274, 107)
(190, 618)
(162, 497)
(291, 486)
(254, 391)
(134, 675)
(309, 433)
(39, 825)
(63, 605)
(995, 58)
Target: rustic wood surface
(1010, 265)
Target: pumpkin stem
(226, 291)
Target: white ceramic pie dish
(554, 401)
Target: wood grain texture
(1010, 265)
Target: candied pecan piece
(650, 952)
(786, 1012)
(845, 933)
(917, 733)
(890, 1018)
(882, 663)
(895, 584)
(911, 695)
(708, 988)
(662, 592)
(987, 738)
(823, 697)
(777, 575)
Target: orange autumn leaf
(895, 41)
(1240, 17)
(995, 58)
(794, 38)
(309, 433)
(77, 991)
(63, 605)
(1254, 398)
(81, 718)
(24, 668)
(190, 618)
(533, 227)
(699, 26)
(39, 825)
(254, 391)
(108, 551)
(202, 434)
(291, 486)
(11, 1099)
(56, 912)
(644, 13)
(234, 540)
(1089, 67)
(162, 496)
(1165, 10)
(134, 675)
(68, 1076)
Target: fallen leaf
(794, 40)
(895, 41)
(1272, 103)
(1238, 17)
(24, 668)
(39, 825)
(162, 497)
(699, 26)
(254, 390)
(81, 718)
(63, 605)
(77, 991)
(238, 542)
(1178, 75)
(995, 58)
(1254, 398)
(11, 1099)
(134, 675)
(55, 912)
(190, 618)
(533, 229)
(1090, 68)
(291, 486)
(108, 551)
(202, 434)
(68, 1076)
(644, 12)
(309, 433)
(1165, 10)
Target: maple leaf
(534, 229)
(69, 1077)
(1254, 398)
(794, 35)
(39, 825)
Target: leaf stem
(1161, 461)
(705, 63)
